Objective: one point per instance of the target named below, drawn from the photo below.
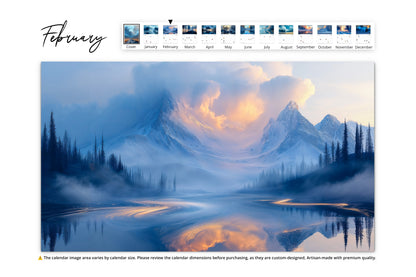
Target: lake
(208, 222)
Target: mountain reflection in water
(234, 234)
(209, 224)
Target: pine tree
(320, 160)
(338, 153)
(327, 158)
(52, 145)
(102, 153)
(333, 152)
(69, 151)
(174, 183)
(370, 149)
(44, 148)
(59, 156)
(75, 152)
(65, 152)
(112, 162)
(361, 139)
(357, 143)
(44, 143)
(120, 166)
(344, 150)
(90, 157)
(95, 150)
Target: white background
(21, 54)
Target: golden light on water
(148, 207)
(343, 206)
(137, 211)
(235, 235)
(301, 228)
(286, 202)
(170, 203)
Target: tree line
(62, 156)
(340, 153)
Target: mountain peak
(331, 118)
(328, 124)
(292, 106)
(290, 113)
(166, 103)
(159, 127)
(289, 128)
(158, 112)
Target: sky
(224, 99)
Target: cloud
(245, 111)
(233, 100)
(203, 101)
(90, 98)
(274, 69)
(241, 94)
(277, 93)
(210, 108)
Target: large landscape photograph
(207, 156)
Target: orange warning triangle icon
(40, 258)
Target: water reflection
(150, 207)
(235, 234)
(136, 211)
(287, 202)
(62, 230)
(343, 206)
(243, 225)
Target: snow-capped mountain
(159, 142)
(290, 138)
(156, 140)
(331, 130)
(328, 127)
(158, 127)
(292, 239)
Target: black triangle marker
(170, 21)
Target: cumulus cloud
(245, 110)
(277, 92)
(203, 101)
(239, 94)
(216, 96)
(274, 69)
